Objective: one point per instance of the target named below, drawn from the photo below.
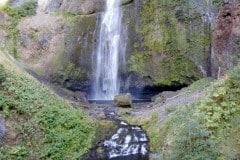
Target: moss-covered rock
(74, 62)
(169, 44)
(173, 43)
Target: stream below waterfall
(124, 142)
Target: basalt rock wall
(226, 38)
(169, 42)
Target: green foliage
(67, 137)
(15, 152)
(15, 15)
(168, 44)
(27, 9)
(223, 103)
(206, 125)
(192, 139)
(137, 63)
(207, 129)
(2, 74)
(47, 124)
(230, 139)
(152, 129)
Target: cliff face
(169, 42)
(173, 47)
(58, 42)
(83, 7)
(226, 38)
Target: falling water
(110, 53)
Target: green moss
(15, 15)
(46, 125)
(164, 40)
(74, 59)
(175, 70)
(174, 31)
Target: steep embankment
(39, 124)
(199, 122)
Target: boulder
(80, 96)
(2, 128)
(123, 100)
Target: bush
(16, 14)
(194, 142)
(2, 74)
(27, 9)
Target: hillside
(199, 122)
(63, 62)
(39, 124)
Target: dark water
(129, 142)
(112, 102)
(126, 142)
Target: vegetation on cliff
(40, 125)
(15, 15)
(172, 33)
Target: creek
(125, 142)
(122, 142)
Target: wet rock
(80, 96)
(126, 2)
(104, 127)
(226, 38)
(2, 128)
(123, 100)
(126, 142)
(129, 142)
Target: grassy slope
(207, 129)
(40, 125)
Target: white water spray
(110, 53)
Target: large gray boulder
(80, 96)
(123, 100)
(2, 128)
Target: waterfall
(42, 4)
(110, 53)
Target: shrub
(27, 9)
(194, 142)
